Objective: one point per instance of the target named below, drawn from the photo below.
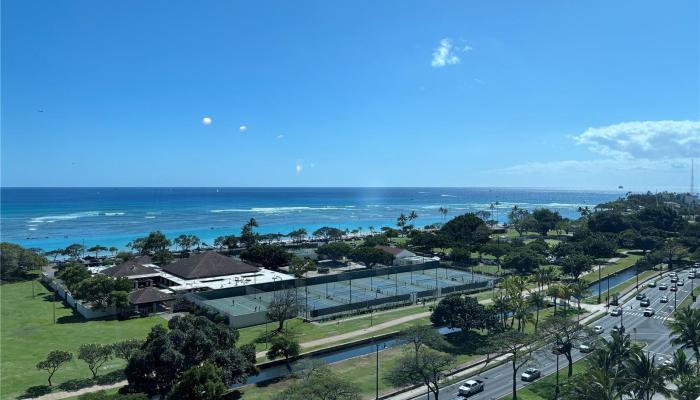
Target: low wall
(85, 312)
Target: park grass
(689, 300)
(307, 331)
(28, 334)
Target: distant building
(399, 254)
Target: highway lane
(498, 380)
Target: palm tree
(521, 312)
(680, 365)
(584, 211)
(412, 216)
(687, 388)
(579, 289)
(619, 347)
(537, 300)
(565, 293)
(685, 330)
(252, 223)
(443, 211)
(97, 249)
(401, 221)
(113, 250)
(596, 384)
(644, 378)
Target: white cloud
(242, 128)
(444, 54)
(206, 120)
(650, 140)
(280, 136)
(298, 168)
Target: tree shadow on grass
(36, 391)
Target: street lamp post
(636, 271)
(607, 294)
(599, 289)
(675, 299)
(556, 390)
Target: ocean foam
(279, 210)
(67, 217)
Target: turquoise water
(49, 218)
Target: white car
(585, 348)
(680, 283)
(598, 329)
(652, 284)
(616, 312)
(470, 387)
(649, 312)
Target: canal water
(615, 280)
(281, 370)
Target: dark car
(620, 329)
(644, 303)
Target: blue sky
(589, 94)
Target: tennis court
(384, 288)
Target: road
(498, 380)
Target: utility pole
(556, 390)
(599, 289)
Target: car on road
(641, 296)
(598, 329)
(644, 303)
(674, 279)
(586, 347)
(691, 275)
(620, 329)
(616, 312)
(674, 288)
(530, 374)
(648, 312)
(471, 387)
(672, 274)
(652, 284)
(664, 299)
(680, 283)
(663, 286)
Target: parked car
(664, 299)
(641, 296)
(663, 286)
(644, 303)
(616, 312)
(649, 312)
(530, 374)
(471, 387)
(598, 329)
(652, 284)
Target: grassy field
(306, 331)
(28, 334)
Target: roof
(391, 250)
(148, 295)
(206, 265)
(134, 267)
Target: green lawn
(688, 300)
(28, 334)
(307, 331)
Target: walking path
(89, 389)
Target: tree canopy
(18, 261)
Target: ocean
(50, 218)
